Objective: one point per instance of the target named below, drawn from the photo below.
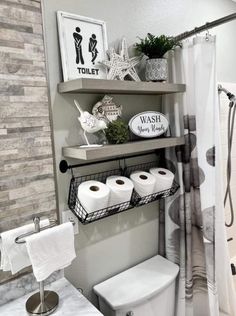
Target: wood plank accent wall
(27, 185)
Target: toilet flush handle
(130, 313)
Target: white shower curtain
(192, 231)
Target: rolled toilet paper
(93, 195)
(164, 178)
(121, 189)
(144, 182)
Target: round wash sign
(148, 124)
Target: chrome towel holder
(43, 302)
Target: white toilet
(148, 289)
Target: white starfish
(115, 65)
(131, 71)
(120, 65)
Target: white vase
(156, 69)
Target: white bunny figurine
(90, 124)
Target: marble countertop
(71, 303)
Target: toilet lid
(138, 283)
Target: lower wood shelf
(109, 151)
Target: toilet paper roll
(144, 182)
(121, 189)
(164, 178)
(93, 195)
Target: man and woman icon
(78, 46)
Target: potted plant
(155, 47)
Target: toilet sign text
(149, 124)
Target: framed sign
(83, 43)
(148, 124)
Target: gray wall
(26, 160)
(113, 244)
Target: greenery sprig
(117, 132)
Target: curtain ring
(207, 38)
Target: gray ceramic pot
(156, 69)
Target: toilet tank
(147, 289)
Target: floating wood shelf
(100, 86)
(109, 151)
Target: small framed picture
(83, 43)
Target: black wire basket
(77, 208)
(136, 200)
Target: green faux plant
(117, 132)
(156, 46)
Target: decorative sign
(106, 109)
(149, 124)
(83, 45)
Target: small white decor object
(120, 65)
(164, 178)
(90, 124)
(83, 44)
(156, 69)
(148, 124)
(106, 109)
(93, 195)
(144, 182)
(121, 189)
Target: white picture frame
(83, 44)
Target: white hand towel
(51, 250)
(14, 257)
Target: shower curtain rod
(205, 27)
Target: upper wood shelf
(119, 87)
(109, 151)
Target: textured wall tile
(23, 4)
(6, 57)
(8, 152)
(11, 24)
(37, 28)
(27, 186)
(21, 14)
(22, 69)
(7, 43)
(4, 196)
(10, 35)
(13, 122)
(7, 89)
(23, 109)
(23, 208)
(32, 3)
(23, 80)
(3, 131)
(33, 188)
